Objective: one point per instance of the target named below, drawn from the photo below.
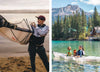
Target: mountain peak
(72, 7)
(68, 10)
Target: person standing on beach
(36, 42)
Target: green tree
(83, 27)
(95, 17)
(65, 27)
(54, 30)
(61, 28)
(90, 26)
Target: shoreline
(25, 11)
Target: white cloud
(91, 11)
(92, 2)
(24, 4)
(73, 3)
(81, 0)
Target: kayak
(58, 55)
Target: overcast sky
(23, 4)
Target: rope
(19, 22)
(26, 21)
(28, 24)
(14, 35)
(25, 38)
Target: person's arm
(24, 30)
(12, 26)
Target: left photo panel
(24, 35)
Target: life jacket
(69, 53)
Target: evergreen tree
(75, 25)
(61, 27)
(79, 27)
(98, 20)
(66, 33)
(84, 25)
(54, 30)
(65, 28)
(89, 25)
(95, 17)
(58, 27)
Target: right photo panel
(75, 36)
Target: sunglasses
(40, 18)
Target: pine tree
(95, 17)
(89, 25)
(66, 32)
(54, 30)
(64, 27)
(61, 28)
(58, 27)
(84, 25)
(79, 27)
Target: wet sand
(15, 58)
(20, 64)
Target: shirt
(80, 52)
(38, 36)
(40, 30)
(69, 52)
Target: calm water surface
(92, 48)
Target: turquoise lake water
(92, 48)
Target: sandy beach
(20, 64)
(14, 57)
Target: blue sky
(86, 5)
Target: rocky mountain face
(68, 10)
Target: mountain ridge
(67, 10)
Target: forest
(76, 26)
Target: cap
(41, 17)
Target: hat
(41, 17)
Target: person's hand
(33, 24)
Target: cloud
(24, 4)
(92, 2)
(91, 11)
(81, 0)
(73, 3)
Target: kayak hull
(78, 59)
